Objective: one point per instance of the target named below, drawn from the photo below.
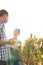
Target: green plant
(31, 51)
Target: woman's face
(16, 32)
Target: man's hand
(3, 42)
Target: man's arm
(3, 42)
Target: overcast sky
(24, 14)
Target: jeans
(3, 62)
(18, 62)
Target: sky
(27, 15)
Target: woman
(15, 45)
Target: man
(4, 48)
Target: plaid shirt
(4, 50)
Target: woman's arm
(14, 47)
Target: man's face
(5, 18)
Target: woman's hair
(2, 12)
(17, 30)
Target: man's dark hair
(2, 12)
